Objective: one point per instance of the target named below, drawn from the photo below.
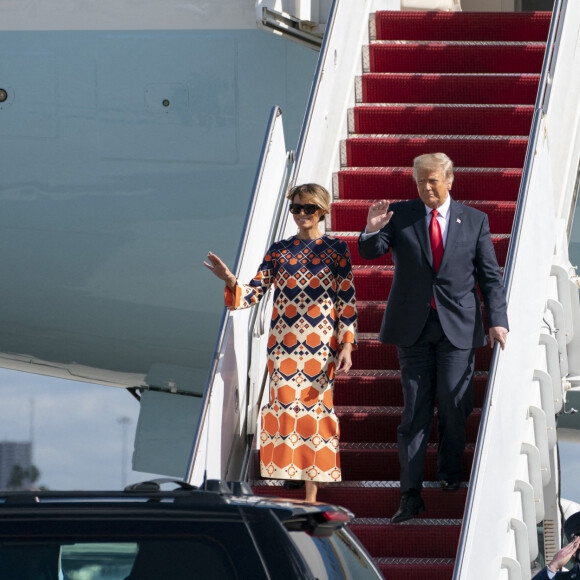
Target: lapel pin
(458, 221)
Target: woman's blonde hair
(317, 193)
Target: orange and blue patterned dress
(314, 313)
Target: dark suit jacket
(468, 260)
(574, 573)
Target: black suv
(222, 531)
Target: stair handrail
(258, 327)
(540, 106)
(308, 115)
(542, 100)
(256, 377)
(274, 118)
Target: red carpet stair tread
(354, 212)
(469, 151)
(492, 89)
(442, 119)
(374, 501)
(383, 388)
(454, 58)
(500, 244)
(464, 84)
(405, 541)
(485, 184)
(372, 354)
(370, 424)
(379, 462)
(463, 26)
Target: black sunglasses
(309, 208)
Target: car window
(97, 561)
(338, 557)
(22, 561)
(100, 548)
(198, 557)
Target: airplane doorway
(532, 5)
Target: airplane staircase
(464, 84)
(360, 143)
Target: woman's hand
(219, 269)
(344, 361)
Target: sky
(78, 438)
(76, 430)
(570, 467)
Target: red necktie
(436, 244)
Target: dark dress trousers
(436, 347)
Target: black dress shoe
(411, 505)
(450, 485)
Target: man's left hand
(498, 334)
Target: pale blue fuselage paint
(125, 157)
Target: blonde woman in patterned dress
(312, 335)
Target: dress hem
(300, 476)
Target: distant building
(12, 455)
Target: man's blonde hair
(434, 161)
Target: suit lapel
(454, 226)
(419, 223)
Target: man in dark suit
(442, 250)
(572, 531)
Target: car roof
(148, 497)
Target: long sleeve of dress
(345, 299)
(246, 295)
